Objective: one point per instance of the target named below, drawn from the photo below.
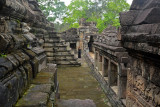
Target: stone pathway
(79, 89)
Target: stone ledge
(33, 99)
(39, 92)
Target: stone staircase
(42, 90)
(58, 51)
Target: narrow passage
(76, 83)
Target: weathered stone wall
(140, 36)
(70, 35)
(22, 55)
(111, 61)
(58, 50)
(86, 32)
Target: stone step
(57, 56)
(49, 49)
(76, 103)
(55, 45)
(51, 37)
(60, 59)
(56, 50)
(58, 53)
(53, 41)
(41, 89)
(67, 63)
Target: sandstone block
(148, 16)
(33, 99)
(4, 96)
(127, 18)
(45, 88)
(5, 67)
(139, 4)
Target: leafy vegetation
(3, 55)
(104, 12)
(53, 9)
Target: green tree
(53, 9)
(111, 16)
(104, 12)
(76, 10)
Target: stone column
(100, 63)
(96, 59)
(81, 40)
(122, 81)
(113, 74)
(109, 72)
(104, 67)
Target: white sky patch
(129, 1)
(67, 2)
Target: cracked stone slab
(76, 103)
(46, 88)
(33, 99)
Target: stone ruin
(130, 79)
(72, 38)
(29, 50)
(110, 62)
(58, 50)
(126, 62)
(70, 35)
(138, 72)
(87, 33)
(140, 36)
(25, 77)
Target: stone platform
(76, 103)
(77, 85)
(42, 89)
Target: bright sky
(67, 2)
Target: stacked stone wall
(22, 57)
(140, 36)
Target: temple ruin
(26, 77)
(109, 64)
(125, 60)
(140, 36)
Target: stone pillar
(77, 46)
(100, 63)
(113, 74)
(96, 59)
(122, 81)
(81, 40)
(109, 72)
(104, 67)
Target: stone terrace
(126, 60)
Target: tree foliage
(53, 9)
(75, 11)
(104, 12)
(111, 16)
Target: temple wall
(143, 83)
(140, 36)
(109, 65)
(22, 57)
